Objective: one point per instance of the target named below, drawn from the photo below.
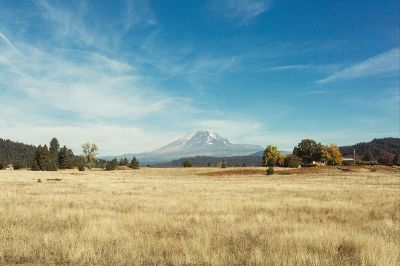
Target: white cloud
(138, 14)
(111, 139)
(8, 42)
(94, 86)
(242, 11)
(237, 130)
(288, 67)
(384, 63)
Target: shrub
(270, 171)
(81, 167)
(187, 163)
(1, 166)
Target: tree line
(384, 151)
(54, 157)
(306, 153)
(18, 154)
(114, 163)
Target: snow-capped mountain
(196, 143)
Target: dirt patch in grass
(53, 179)
(297, 171)
(235, 172)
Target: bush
(1, 166)
(270, 171)
(187, 163)
(81, 167)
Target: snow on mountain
(197, 143)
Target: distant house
(10, 167)
(348, 161)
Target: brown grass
(261, 171)
(176, 217)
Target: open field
(191, 217)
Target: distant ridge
(204, 161)
(16, 153)
(377, 148)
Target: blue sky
(134, 75)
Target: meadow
(200, 216)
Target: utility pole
(354, 156)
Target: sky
(134, 75)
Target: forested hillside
(381, 150)
(16, 153)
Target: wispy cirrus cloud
(138, 13)
(242, 11)
(4, 39)
(289, 67)
(79, 95)
(384, 63)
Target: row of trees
(53, 157)
(307, 152)
(222, 164)
(114, 163)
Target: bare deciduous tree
(89, 154)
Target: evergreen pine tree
(112, 165)
(187, 163)
(134, 163)
(53, 151)
(35, 166)
(42, 158)
(66, 158)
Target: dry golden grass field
(201, 217)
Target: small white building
(348, 161)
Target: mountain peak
(203, 142)
(205, 136)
